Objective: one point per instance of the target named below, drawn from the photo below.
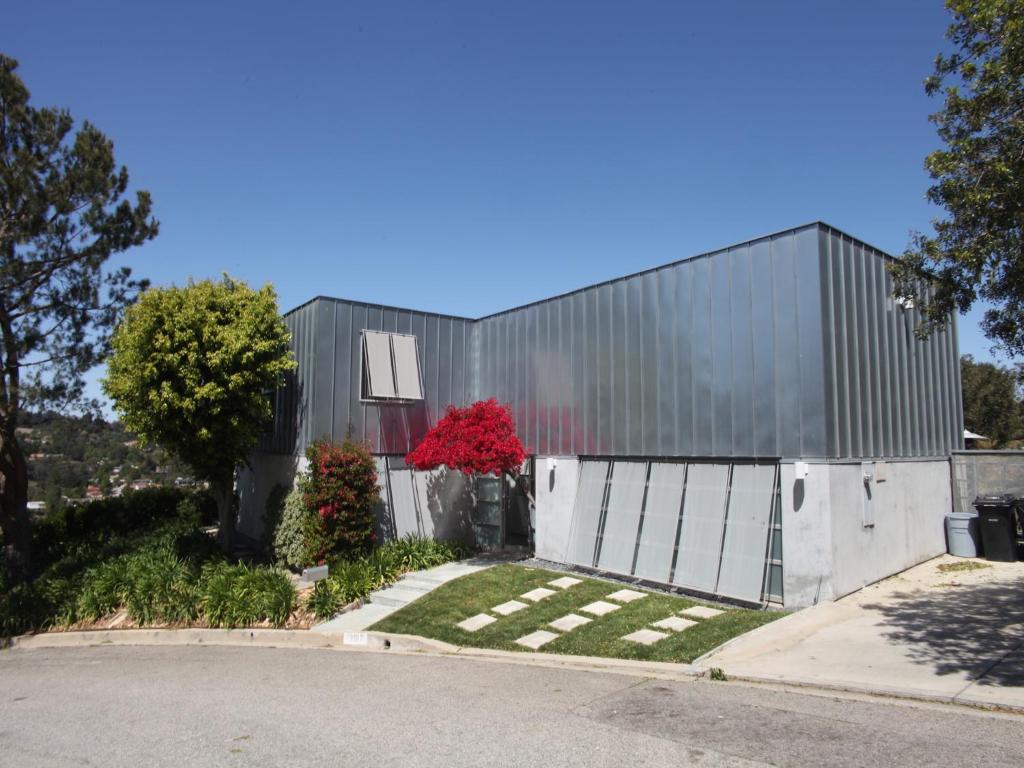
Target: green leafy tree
(992, 405)
(190, 371)
(977, 249)
(63, 212)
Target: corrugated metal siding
(719, 355)
(887, 392)
(786, 346)
(324, 399)
(290, 430)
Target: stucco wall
(555, 494)
(828, 551)
(255, 483)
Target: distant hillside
(68, 454)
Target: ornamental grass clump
(242, 595)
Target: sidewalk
(955, 637)
(409, 587)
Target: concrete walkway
(948, 636)
(409, 587)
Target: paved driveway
(957, 636)
(217, 706)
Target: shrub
(162, 589)
(105, 589)
(341, 489)
(273, 510)
(240, 595)
(289, 538)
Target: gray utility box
(962, 534)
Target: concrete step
(396, 596)
(422, 585)
(357, 620)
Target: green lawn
(436, 614)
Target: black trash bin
(998, 523)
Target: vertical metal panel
(700, 536)
(648, 321)
(566, 381)
(787, 346)
(670, 421)
(622, 516)
(343, 340)
(721, 355)
(742, 380)
(586, 512)
(661, 521)
(828, 307)
(762, 313)
(751, 497)
(811, 328)
(701, 359)
(684, 423)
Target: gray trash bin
(962, 534)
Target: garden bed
(438, 615)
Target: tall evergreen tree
(63, 212)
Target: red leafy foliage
(480, 438)
(342, 490)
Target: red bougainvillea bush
(480, 438)
(341, 492)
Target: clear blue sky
(469, 156)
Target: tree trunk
(14, 518)
(223, 494)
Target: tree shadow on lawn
(965, 629)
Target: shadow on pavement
(964, 629)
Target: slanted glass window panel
(622, 518)
(700, 536)
(407, 367)
(586, 513)
(391, 368)
(661, 520)
(751, 499)
(379, 374)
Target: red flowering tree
(340, 493)
(478, 439)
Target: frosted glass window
(625, 500)
(746, 531)
(661, 520)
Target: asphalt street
(223, 706)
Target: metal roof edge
(817, 223)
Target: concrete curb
(382, 642)
(887, 692)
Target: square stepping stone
(702, 612)
(565, 582)
(510, 607)
(674, 623)
(473, 623)
(626, 595)
(536, 639)
(569, 622)
(538, 594)
(600, 608)
(645, 636)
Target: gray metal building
(681, 418)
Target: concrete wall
(555, 494)
(829, 551)
(255, 483)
